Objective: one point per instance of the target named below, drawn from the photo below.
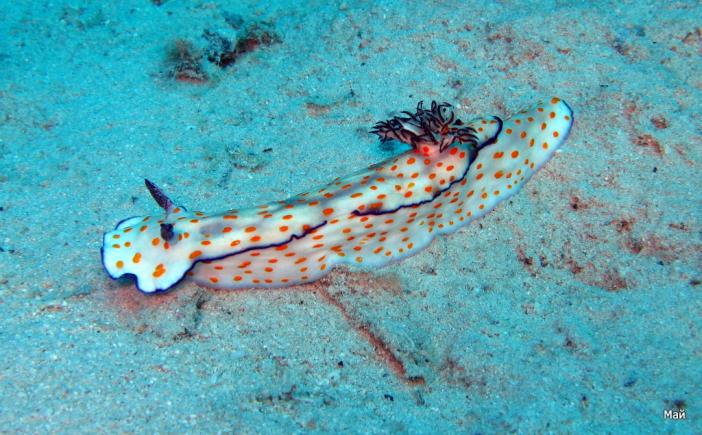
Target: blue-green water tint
(572, 308)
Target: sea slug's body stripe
(455, 173)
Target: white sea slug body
(454, 173)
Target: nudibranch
(454, 173)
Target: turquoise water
(572, 307)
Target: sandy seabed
(573, 307)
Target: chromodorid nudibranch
(455, 172)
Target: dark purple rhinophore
(434, 127)
(167, 232)
(157, 194)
